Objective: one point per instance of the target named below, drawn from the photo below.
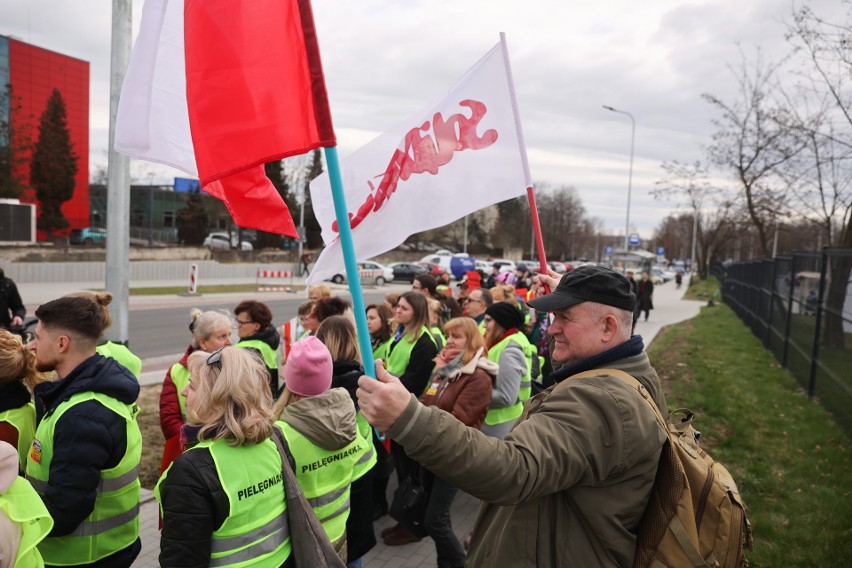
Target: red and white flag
(461, 154)
(217, 88)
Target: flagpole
(349, 260)
(523, 149)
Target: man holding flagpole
(569, 484)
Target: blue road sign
(634, 239)
(661, 251)
(608, 250)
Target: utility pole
(118, 181)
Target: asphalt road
(160, 330)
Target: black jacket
(360, 534)
(87, 439)
(271, 337)
(420, 364)
(194, 506)
(10, 301)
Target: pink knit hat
(308, 369)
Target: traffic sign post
(634, 240)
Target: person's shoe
(400, 537)
(389, 530)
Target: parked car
(406, 271)
(380, 274)
(456, 265)
(225, 241)
(434, 269)
(87, 236)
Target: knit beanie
(308, 369)
(507, 315)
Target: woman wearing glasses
(223, 500)
(255, 330)
(210, 331)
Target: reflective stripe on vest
(123, 356)
(180, 377)
(270, 358)
(325, 476)
(400, 352)
(256, 528)
(23, 419)
(508, 413)
(24, 507)
(366, 462)
(113, 523)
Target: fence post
(784, 355)
(193, 279)
(771, 303)
(815, 349)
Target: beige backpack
(695, 516)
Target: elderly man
(477, 302)
(568, 485)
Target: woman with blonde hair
(320, 427)
(460, 385)
(210, 330)
(318, 292)
(18, 376)
(107, 348)
(227, 489)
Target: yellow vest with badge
(113, 524)
(507, 413)
(326, 476)
(24, 507)
(23, 419)
(256, 532)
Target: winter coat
(360, 534)
(10, 301)
(463, 391)
(170, 418)
(645, 295)
(591, 445)
(87, 439)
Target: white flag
(456, 157)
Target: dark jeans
(439, 524)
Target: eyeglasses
(466, 300)
(215, 359)
(242, 323)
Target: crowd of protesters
(239, 408)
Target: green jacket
(594, 442)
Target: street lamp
(629, 175)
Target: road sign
(608, 250)
(633, 239)
(661, 251)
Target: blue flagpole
(351, 263)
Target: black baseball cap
(588, 284)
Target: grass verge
(702, 289)
(215, 289)
(788, 456)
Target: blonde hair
(509, 295)
(338, 334)
(205, 324)
(435, 309)
(233, 402)
(323, 290)
(497, 294)
(471, 331)
(285, 399)
(101, 299)
(17, 363)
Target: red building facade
(33, 73)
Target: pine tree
(14, 145)
(54, 165)
(192, 220)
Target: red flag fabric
(217, 88)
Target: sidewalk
(670, 308)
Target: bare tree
(753, 145)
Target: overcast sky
(385, 60)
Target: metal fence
(800, 306)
